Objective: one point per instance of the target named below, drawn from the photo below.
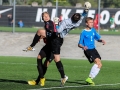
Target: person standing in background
(112, 23)
(20, 24)
(96, 21)
(10, 20)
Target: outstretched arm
(87, 6)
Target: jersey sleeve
(84, 14)
(80, 21)
(61, 26)
(97, 36)
(81, 40)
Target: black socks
(44, 69)
(60, 68)
(40, 68)
(35, 40)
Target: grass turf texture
(15, 71)
(75, 31)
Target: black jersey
(50, 28)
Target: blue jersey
(88, 37)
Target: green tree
(60, 2)
(110, 3)
(38, 1)
(21, 2)
(93, 2)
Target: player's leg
(45, 52)
(60, 69)
(40, 34)
(48, 60)
(88, 56)
(114, 27)
(40, 77)
(96, 67)
(40, 70)
(56, 44)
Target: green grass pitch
(16, 71)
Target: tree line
(68, 3)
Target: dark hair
(44, 13)
(76, 17)
(87, 19)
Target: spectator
(20, 24)
(112, 23)
(10, 20)
(96, 21)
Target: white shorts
(112, 26)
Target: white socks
(94, 71)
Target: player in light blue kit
(87, 43)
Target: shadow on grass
(15, 81)
(80, 82)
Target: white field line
(32, 64)
(16, 63)
(50, 88)
(36, 64)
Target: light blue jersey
(88, 37)
(67, 25)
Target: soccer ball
(87, 5)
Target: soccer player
(87, 43)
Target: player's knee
(38, 32)
(39, 57)
(41, 32)
(47, 63)
(56, 57)
(99, 65)
(98, 62)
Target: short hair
(76, 17)
(44, 13)
(87, 19)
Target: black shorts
(92, 54)
(46, 52)
(56, 44)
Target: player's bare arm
(84, 47)
(102, 41)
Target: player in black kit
(50, 29)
